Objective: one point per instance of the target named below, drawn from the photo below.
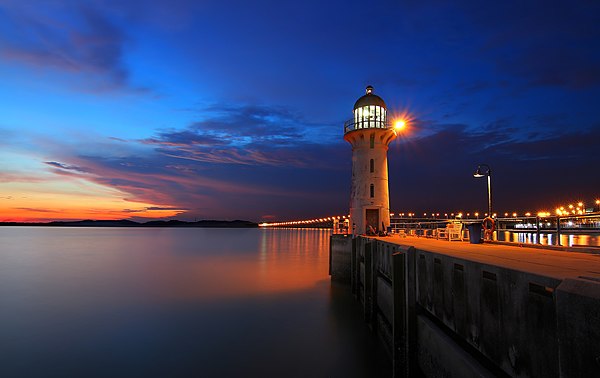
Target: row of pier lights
(307, 222)
(484, 170)
(561, 211)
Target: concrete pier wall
(446, 316)
(340, 255)
(578, 321)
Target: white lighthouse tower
(370, 133)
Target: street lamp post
(488, 172)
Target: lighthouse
(369, 133)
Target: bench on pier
(452, 231)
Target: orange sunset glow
(58, 200)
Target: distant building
(370, 133)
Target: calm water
(177, 302)
(570, 240)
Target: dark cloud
(156, 208)
(248, 135)
(66, 167)
(118, 139)
(186, 138)
(253, 121)
(73, 38)
(153, 208)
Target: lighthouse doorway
(372, 218)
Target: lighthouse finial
(369, 89)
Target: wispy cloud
(20, 177)
(154, 208)
(74, 38)
(37, 210)
(248, 135)
(67, 167)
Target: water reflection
(175, 302)
(549, 238)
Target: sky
(224, 109)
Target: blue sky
(233, 109)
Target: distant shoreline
(128, 223)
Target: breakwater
(456, 309)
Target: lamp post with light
(488, 172)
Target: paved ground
(558, 264)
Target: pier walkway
(456, 309)
(540, 261)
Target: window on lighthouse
(372, 168)
(372, 190)
(370, 116)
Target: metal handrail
(350, 125)
(554, 224)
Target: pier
(553, 230)
(457, 309)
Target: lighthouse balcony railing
(352, 124)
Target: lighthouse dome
(369, 99)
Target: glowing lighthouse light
(400, 124)
(370, 133)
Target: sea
(177, 302)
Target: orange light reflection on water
(288, 260)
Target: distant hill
(128, 223)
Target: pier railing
(550, 225)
